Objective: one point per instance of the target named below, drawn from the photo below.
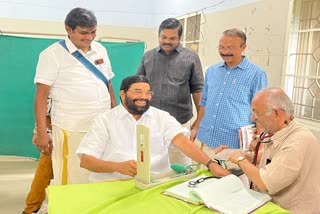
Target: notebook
(227, 195)
(246, 134)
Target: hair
(276, 98)
(80, 17)
(236, 32)
(128, 81)
(171, 23)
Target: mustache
(164, 44)
(226, 54)
(146, 100)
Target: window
(302, 78)
(191, 31)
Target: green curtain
(19, 57)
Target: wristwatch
(210, 162)
(240, 158)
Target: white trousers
(65, 162)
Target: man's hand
(193, 134)
(220, 148)
(233, 157)
(127, 168)
(43, 143)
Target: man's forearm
(112, 97)
(40, 108)
(196, 123)
(96, 165)
(190, 149)
(40, 115)
(253, 173)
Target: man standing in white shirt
(77, 94)
(109, 148)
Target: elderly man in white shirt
(109, 148)
(77, 94)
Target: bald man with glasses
(289, 165)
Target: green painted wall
(18, 60)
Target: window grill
(302, 78)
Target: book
(246, 135)
(226, 195)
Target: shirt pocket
(239, 93)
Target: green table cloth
(123, 197)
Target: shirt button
(224, 83)
(217, 104)
(220, 93)
(214, 115)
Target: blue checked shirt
(227, 96)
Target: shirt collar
(242, 65)
(72, 48)
(278, 136)
(123, 112)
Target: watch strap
(210, 162)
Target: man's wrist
(240, 158)
(41, 132)
(210, 162)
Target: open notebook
(226, 195)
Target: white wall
(44, 28)
(141, 13)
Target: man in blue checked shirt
(226, 98)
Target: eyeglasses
(139, 92)
(259, 114)
(230, 48)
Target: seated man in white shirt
(109, 148)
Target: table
(123, 197)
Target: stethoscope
(263, 138)
(193, 184)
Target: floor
(16, 174)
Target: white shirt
(77, 94)
(112, 137)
